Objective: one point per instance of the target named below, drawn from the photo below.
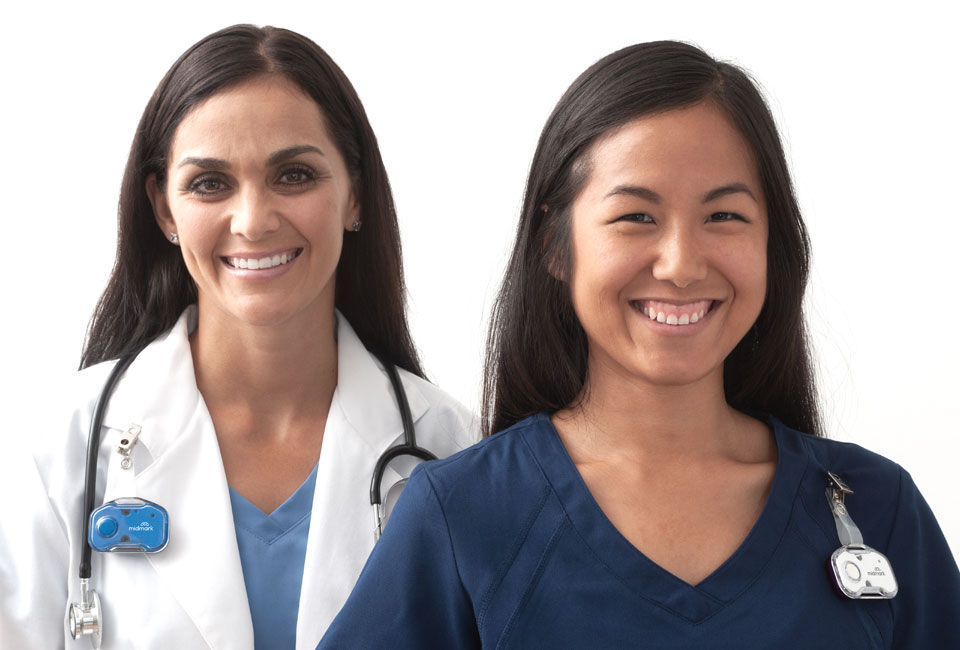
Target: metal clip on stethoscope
(107, 528)
(858, 570)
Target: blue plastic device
(129, 524)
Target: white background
(865, 97)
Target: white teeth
(261, 263)
(672, 318)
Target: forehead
(266, 113)
(685, 150)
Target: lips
(674, 314)
(264, 262)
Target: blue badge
(129, 524)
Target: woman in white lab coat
(259, 263)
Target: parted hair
(536, 352)
(149, 286)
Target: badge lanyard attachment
(859, 571)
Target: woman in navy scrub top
(659, 475)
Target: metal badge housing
(863, 572)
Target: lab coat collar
(159, 390)
(361, 383)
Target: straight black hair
(536, 347)
(150, 287)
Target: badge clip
(127, 442)
(859, 571)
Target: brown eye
(206, 185)
(721, 217)
(296, 175)
(637, 217)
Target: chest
(689, 525)
(787, 603)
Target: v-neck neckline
(282, 519)
(648, 579)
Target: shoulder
(445, 422)
(879, 484)
(495, 485)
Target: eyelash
(309, 174)
(196, 188)
(729, 216)
(643, 217)
(637, 217)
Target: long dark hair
(149, 286)
(536, 348)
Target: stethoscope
(86, 617)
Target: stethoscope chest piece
(86, 617)
(859, 571)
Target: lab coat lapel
(363, 422)
(201, 563)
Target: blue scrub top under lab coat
(272, 551)
(503, 546)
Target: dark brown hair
(149, 286)
(536, 348)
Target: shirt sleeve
(926, 607)
(409, 595)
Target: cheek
(602, 270)
(747, 270)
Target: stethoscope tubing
(93, 452)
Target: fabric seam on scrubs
(893, 527)
(596, 556)
(446, 527)
(534, 580)
(511, 559)
(797, 495)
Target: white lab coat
(192, 595)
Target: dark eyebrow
(284, 155)
(635, 190)
(726, 190)
(213, 164)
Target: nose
(680, 257)
(254, 215)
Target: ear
(161, 209)
(352, 214)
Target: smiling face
(668, 240)
(259, 197)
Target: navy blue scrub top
(503, 546)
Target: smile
(268, 262)
(670, 314)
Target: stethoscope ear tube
(86, 617)
(93, 452)
(407, 448)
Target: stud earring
(174, 239)
(356, 226)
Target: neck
(622, 416)
(277, 371)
